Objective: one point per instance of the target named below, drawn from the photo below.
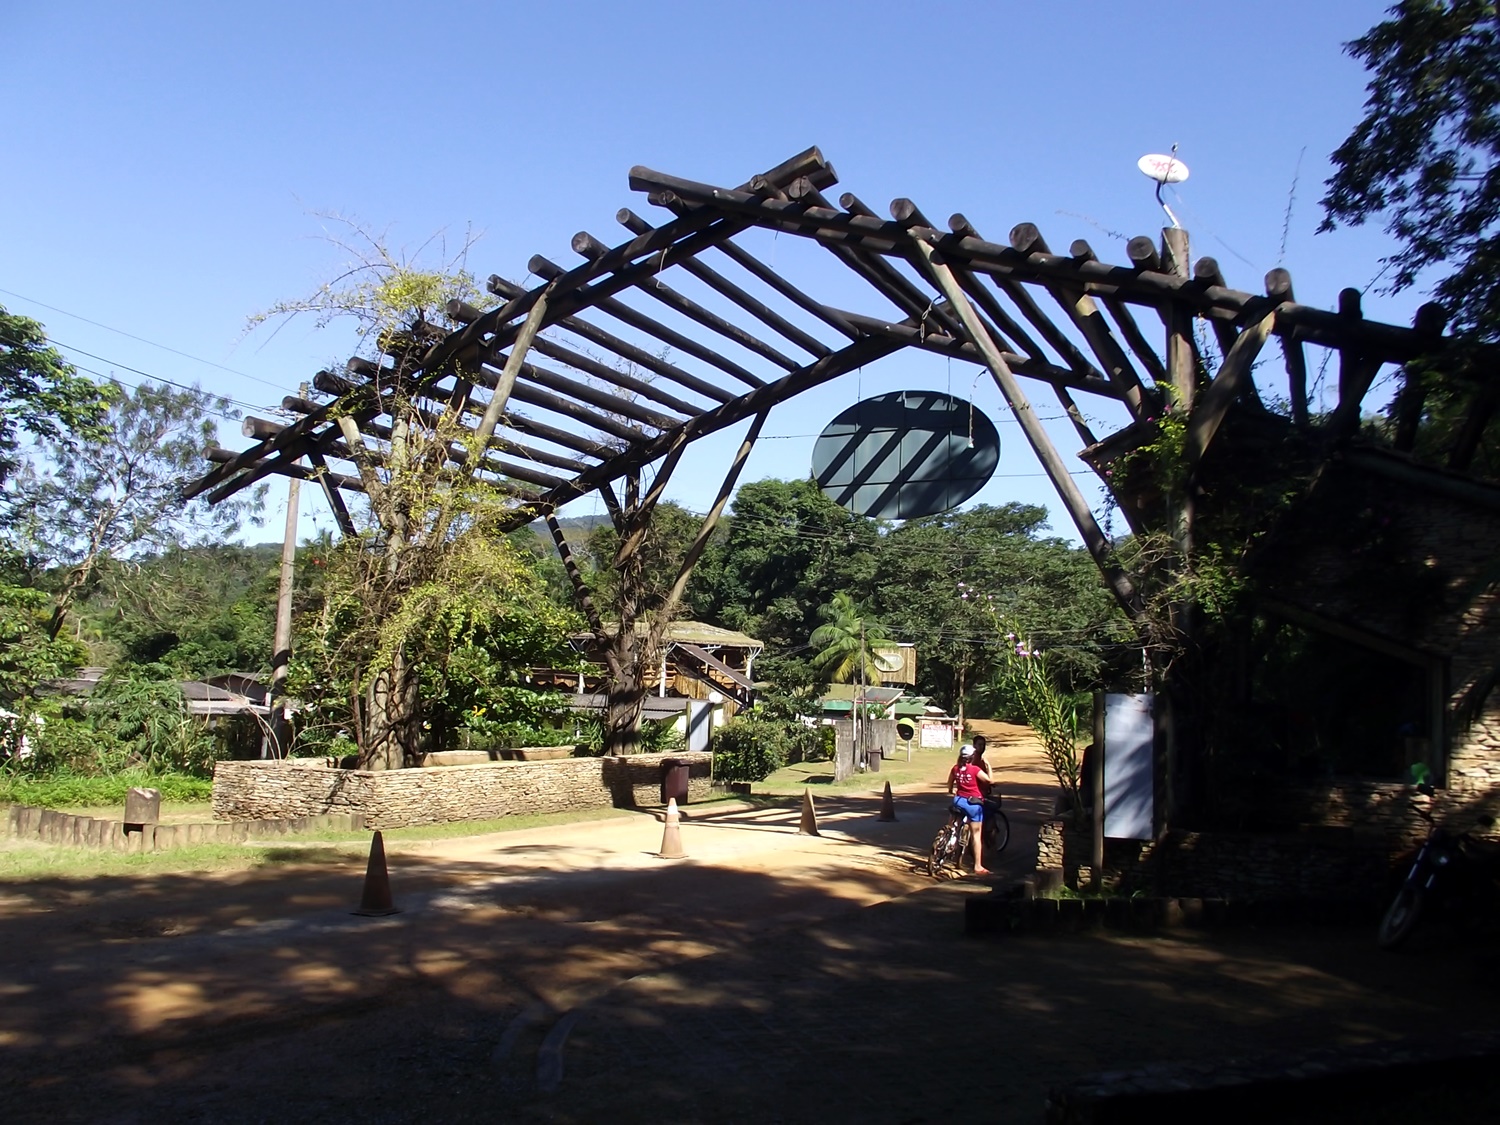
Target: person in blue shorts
(964, 782)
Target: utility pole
(281, 646)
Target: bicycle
(952, 841)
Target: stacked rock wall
(487, 791)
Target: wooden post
(503, 386)
(281, 646)
(1096, 792)
(1067, 489)
(1182, 371)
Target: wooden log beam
(1430, 320)
(1214, 404)
(581, 592)
(501, 390)
(622, 348)
(754, 266)
(458, 455)
(909, 334)
(722, 285)
(1025, 238)
(220, 456)
(710, 521)
(855, 355)
(602, 371)
(1124, 319)
(1279, 289)
(1206, 273)
(639, 511)
(1062, 481)
(808, 164)
(590, 247)
(1481, 410)
(888, 280)
(1137, 286)
(597, 396)
(1182, 361)
(624, 313)
(331, 494)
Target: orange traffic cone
(671, 836)
(887, 804)
(376, 900)
(809, 825)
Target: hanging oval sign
(1163, 169)
(906, 454)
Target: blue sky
(166, 160)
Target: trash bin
(674, 781)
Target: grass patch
(925, 765)
(64, 791)
(31, 859)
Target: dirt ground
(566, 974)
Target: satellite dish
(1163, 169)
(906, 454)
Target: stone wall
(1407, 555)
(487, 791)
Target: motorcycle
(1442, 873)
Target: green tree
(41, 395)
(787, 551)
(77, 504)
(429, 608)
(1424, 155)
(846, 642)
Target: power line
(148, 375)
(143, 340)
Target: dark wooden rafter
(640, 321)
(1279, 289)
(658, 290)
(626, 351)
(581, 591)
(752, 265)
(722, 285)
(1125, 320)
(959, 296)
(1088, 528)
(1082, 310)
(1412, 397)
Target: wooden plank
(964, 349)
(581, 592)
(1025, 238)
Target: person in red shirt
(964, 781)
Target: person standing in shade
(964, 781)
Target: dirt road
(567, 975)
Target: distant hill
(574, 527)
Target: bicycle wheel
(938, 857)
(996, 832)
(959, 846)
(1401, 919)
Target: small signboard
(937, 736)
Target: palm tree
(846, 642)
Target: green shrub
(66, 790)
(750, 747)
